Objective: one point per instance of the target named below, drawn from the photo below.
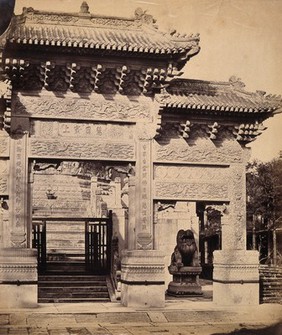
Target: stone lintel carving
(75, 107)
(82, 149)
(191, 191)
(217, 174)
(202, 151)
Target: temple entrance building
(106, 153)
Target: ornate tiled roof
(85, 30)
(218, 96)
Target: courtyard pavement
(178, 317)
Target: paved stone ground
(177, 318)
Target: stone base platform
(142, 278)
(185, 281)
(236, 277)
(18, 278)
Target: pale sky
(238, 37)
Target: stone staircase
(270, 284)
(68, 282)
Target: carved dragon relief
(77, 108)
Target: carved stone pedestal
(185, 281)
(142, 278)
(236, 277)
(18, 278)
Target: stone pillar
(93, 196)
(235, 275)
(144, 216)
(142, 268)
(18, 265)
(130, 231)
(18, 190)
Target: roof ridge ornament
(142, 16)
(237, 83)
(84, 8)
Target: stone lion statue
(185, 253)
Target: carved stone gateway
(79, 115)
(185, 266)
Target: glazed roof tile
(221, 96)
(85, 30)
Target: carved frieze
(51, 129)
(191, 191)
(78, 108)
(202, 150)
(193, 173)
(91, 149)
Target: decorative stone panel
(191, 191)
(78, 149)
(202, 150)
(215, 174)
(76, 107)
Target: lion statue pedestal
(185, 267)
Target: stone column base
(236, 277)
(142, 278)
(18, 278)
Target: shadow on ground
(271, 330)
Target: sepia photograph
(140, 167)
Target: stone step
(77, 283)
(68, 278)
(71, 294)
(72, 287)
(62, 291)
(68, 300)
